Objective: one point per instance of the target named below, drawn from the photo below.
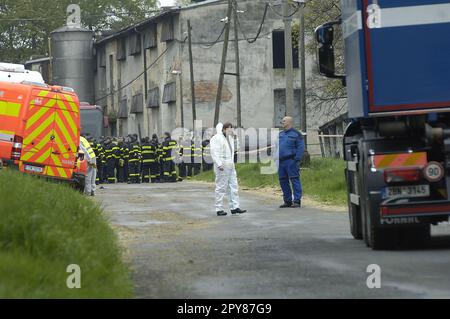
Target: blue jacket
(291, 145)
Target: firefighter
(99, 153)
(161, 161)
(147, 159)
(104, 175)
(121, 161)
(170, 147)
(134, 151)
(154, 156)
(110, 148)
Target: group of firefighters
(128, 160)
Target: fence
(331, 137)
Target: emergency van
(39, 124)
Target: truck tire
(353, 181)
(374, 237)
(354, 211)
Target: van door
(51, 133)
(38, 132)
(66, 133)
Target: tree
(25, 25)
(327, 97)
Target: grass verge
(44, 228)
(323, 181)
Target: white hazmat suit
(222, 153)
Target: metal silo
(73, 61)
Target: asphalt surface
(179, 248)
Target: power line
(132, 81)
(281, 15)
(260, 26)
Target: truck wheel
(354, 211)
(374, 237)
(355, 221)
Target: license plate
(34, 169)
(407, 191)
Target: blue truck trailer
(397, 146)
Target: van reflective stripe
(48, 121)
(71, 102)
(10, 108)
(44, 156)
(36, 116)
(63, 129)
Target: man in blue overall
(290, 151)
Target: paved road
(178, 248)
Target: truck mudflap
(415, 209)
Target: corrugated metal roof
(203, 3)
(138, 26)
(170, 11)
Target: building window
(167, 33)
(123, 109)
(137, 104)
(135, 44)
(170, 94)
(101, 56)
(150, 37)
(278, 51)
(121, 49)
(153, 98)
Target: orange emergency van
(40, 128)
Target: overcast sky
(167, 2)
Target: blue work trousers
(289, 176)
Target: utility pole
(181, 99)
(238, 72)
(301, 46)
(191, 66)
(222, 66)
(288, 60)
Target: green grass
(323, 181)
(44, 227)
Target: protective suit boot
(237, 211)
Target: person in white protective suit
(222, 153)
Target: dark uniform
(100, 155)
(207, 159)
(161, 162)
(147, 159)
(170, 172)
(154, 162)
(134, 161)
(111, 152)
(120, 165)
